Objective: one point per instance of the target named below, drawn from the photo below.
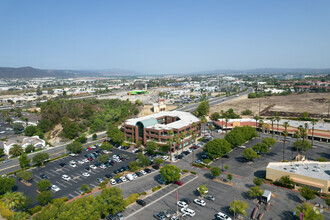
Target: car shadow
(324, 155)
(208, 176)
(293, 197)
(287, 215)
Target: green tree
(75, 147)
(138, 102)
(40, 158)
(217, 148)
(24, 161)
(116, 135)
(134, 166)
(143, 160)
(6, 184)
(203, 108)
(202, 189)
(170, 173)
(30, 148)
(307, 193)
(21, 216)
(239, 207)
(215, 116)
(14, 201)
(9, 120)
(226, 167)
(158, 161)
(215, 171)
(1, 152)
(44, 197)
(31, 130)
(103, 158)
(16, 150)
(39, 92)
(106, 146)
(151, 147)
(269, 141)
(257, 181)
(71, 130)
(255, 192)
(229, 177)
(82, 139)
(84, 187)
(26, 176)
(43, 185)
(110, 200)
(246, 112)
(18, 128)
(94, 136)
(261, 147)
(308, 212)
(250, 154)
(302, 145)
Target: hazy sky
(169, 36)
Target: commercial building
(137, 92)
(315, 175)
(156, 127)
(160, 106)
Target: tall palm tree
(176, 139)
(16, 150)
(313, 123)
(256, 117)
(170, 144)
(182, 136)
(277, 118)
(261, 123)
(226, 119)
(285, 134)
(211, 127)
(272, 119)
(203, 121)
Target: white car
(72, 164)
(105, 151)
(93, 146)
(200, 202)
(165, 157)
(72, 155)
(242, 146)
(85, 160)
(115, 156)
(223, 216)
(66, 177)
(113, 182)
(134, 175)
(103, 167)
(182, 204)
(199, 161)
(86, 174)
(72, 161)
(93, 167)
(204, 191)
(187, 211)
(123, 179)
(189, 150)
(81, 162)
(134, 150)
(143, 172)
(55, 188)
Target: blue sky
(169, 36)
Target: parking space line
(92, 185)
(61, 184)
(71, 195)
(68, 183)
(49, 173)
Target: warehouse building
(156, 127)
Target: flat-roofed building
(156, 127)
(315, 175)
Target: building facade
(158, 127)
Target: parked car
(186, 200)
(166, 213)
(160, 180)
(242, 146)
(86, 174)
(99, 180)
(209, 197)
(155, 166)
(200, 202)
(141, 202)
(222, 216)
(159, 216)
(187, 211)
(182, 204)
(113, 182)
(109, 176)
(43, 176)
(72, 154)
(62, 164)
(138, 174)
(93, 167)
(178, 183)
(66, 177)
(55, 188)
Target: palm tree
(170, 144)
(13, 200)
(176, 139)
(313, 123)
(277, 118)
(203, 121)
(285, 134)
(16, 150)
(261, 123)
(182, 136)
(256, 117)
(272, 119)
(211, 127)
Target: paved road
(52, 151)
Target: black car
(147, 170)
(97, 164)
(186, 200)
(156, 167)
(43, 176)
(88, 168)
(126, 168)
(122, 169)
(111, 217)
(139, 174)
(116, 171)
(186, 152)
(180, 156)
(109, 176)
(141, 202)
(86, 155)
(62, 164)
(118, 180)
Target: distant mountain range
(30, 72)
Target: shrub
(186, 171)
(207, 161)
(64, 199)
(34, 210)
(144, 193)
(200, 139)
(131, 199)
(193, 172)
(159, 186)
(198, 165)
(5, 213)
(89, 190)
(208, 166)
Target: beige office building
(313, 174)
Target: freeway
(53, 152)
(212, 102)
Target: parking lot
(69, 188)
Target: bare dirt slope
(314, 103)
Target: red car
(178, 182)
(89, 148)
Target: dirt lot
(314, 103)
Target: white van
(129, 177)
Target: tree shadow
(245, 195)
(324, 155)
(260, 173)
(225, 209)
(271, 154)
(287, 215)
(248, 185)
(208, 176)
(241, 159)
(293, 197)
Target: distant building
(160, 106)
(156, 127)
(313, 174)
(24, 142)
(137, 92)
